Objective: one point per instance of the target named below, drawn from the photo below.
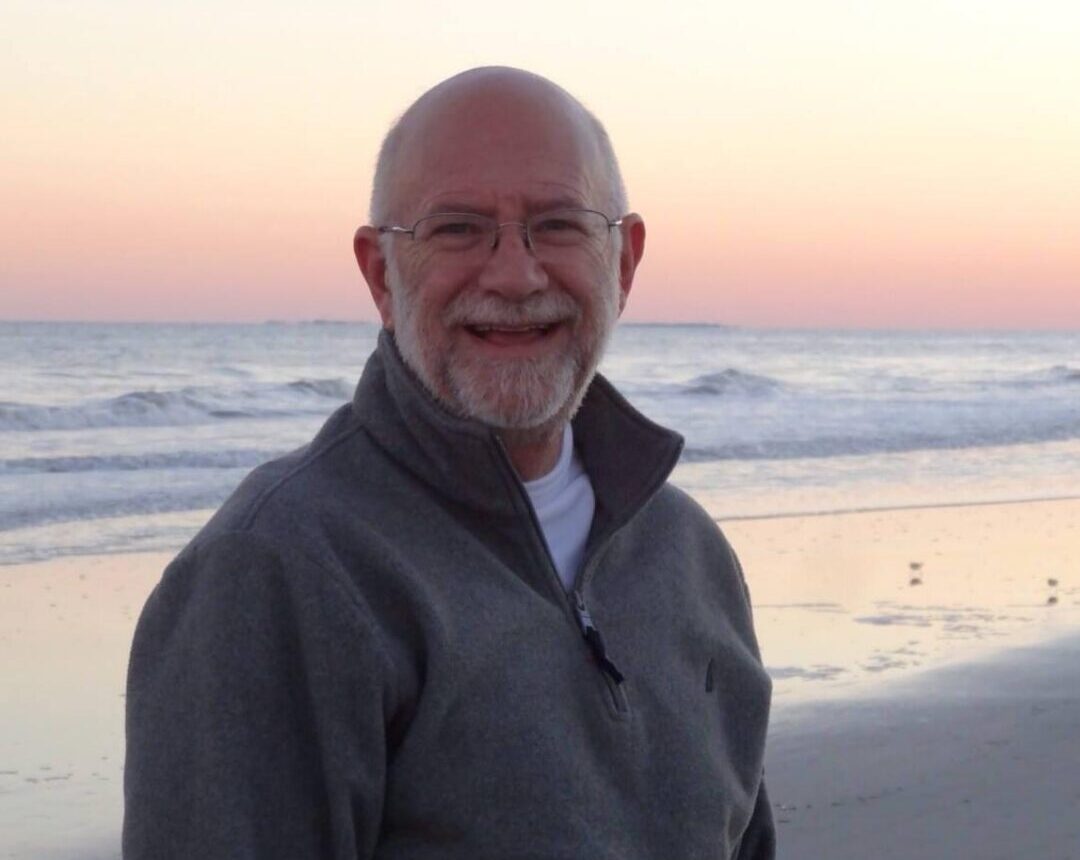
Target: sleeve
(256, 711)
(758, 841)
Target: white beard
(524, 394)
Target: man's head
(509, 335)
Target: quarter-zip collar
(626, 456)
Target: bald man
(470, 619)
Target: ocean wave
(843, 446)
(238, 459)
(96, 506)
(1059, 374)
(338, 389)
(732, 382)
(184, 406)
(741, 384)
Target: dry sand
(932, 720)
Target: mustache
(546, 308)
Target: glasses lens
(454, 231)
(567, 228)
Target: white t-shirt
(564, 503)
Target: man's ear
(633, 247)
(372, 262)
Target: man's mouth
(500, 334)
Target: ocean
(124, 437)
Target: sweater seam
(309, 459)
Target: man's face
(503, 336)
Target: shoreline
(884, 509)
(201, 515)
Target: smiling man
(471, 619)
(505, 286)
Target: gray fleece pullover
(367, 653)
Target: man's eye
(456, 228)
(555, 225)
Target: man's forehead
(492, 133)
(480, 97)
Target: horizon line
(672, 323)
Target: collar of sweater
(627, 456)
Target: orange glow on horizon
(811, 164)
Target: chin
(521, 395)
(527, 396)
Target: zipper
(595, 640)
(613, 677)
(576, 607)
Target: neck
(533, 453)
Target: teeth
(512, 329)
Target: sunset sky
(878, 164)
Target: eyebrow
(559, 203)
(545, 205)
(452, 206)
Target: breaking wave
(239, 459)
(732, 382)
(184, 406)
(841, 446)
(1059, 374)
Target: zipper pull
(584, 619)
(594, 639)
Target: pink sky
(915, 167)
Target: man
(456, 624)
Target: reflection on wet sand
(848, 599)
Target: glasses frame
(397, 229)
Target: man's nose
(512, 269)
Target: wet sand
(846, 600)
(979, 761)
(926, 665)
(929, 719)
(65, 630)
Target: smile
(502, 334)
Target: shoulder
(674, 500)
(674, 513)
(267, 543)
(238, 604)
(284, 499)
(674, 527)
(249, 579)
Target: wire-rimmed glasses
(556, 231)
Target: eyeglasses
(545, 233)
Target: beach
(977, 760)
(66, 629)
(931, 713)
(930, 719)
